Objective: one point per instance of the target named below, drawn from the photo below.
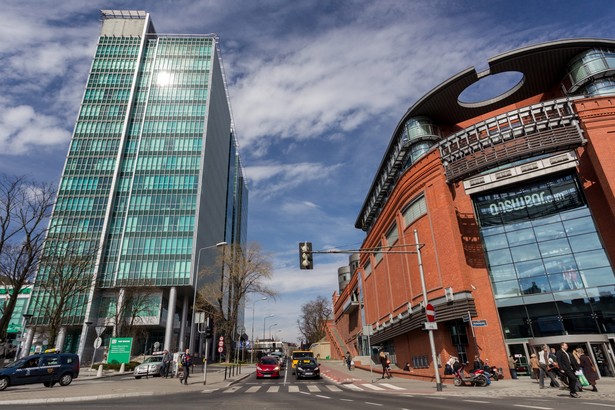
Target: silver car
(151, 366)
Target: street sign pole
(432, 342)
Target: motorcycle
(478, 378)
(494, 373)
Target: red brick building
(512, 198)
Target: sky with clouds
(316, 88)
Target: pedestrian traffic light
(305, 255)
(208, 332)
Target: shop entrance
(601, 358)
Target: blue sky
(316, 88)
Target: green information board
(119, 350)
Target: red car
(268, 366)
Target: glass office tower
(152, 182)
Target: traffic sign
(479, 323)
(430, 312)
(220, 349)
(221, 338)
(221, 343)
(97, 342)
(430, 326)
(466, 317)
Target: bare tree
(130, 309)
(25, 206)
(314, 315)
(63, 281)
(240, 272)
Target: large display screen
(528, 201)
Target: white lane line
(273, 389)
(477, 401)
(346, 400)
(373, 404)
(253, 389)
(293, 389)
(333, 388)
(532, 407)
(312, 388)
(392, 386)
(371, 386)
(599, 404)
(322, 397)
(231, 390)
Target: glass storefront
(548, 268)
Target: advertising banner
(529, 201)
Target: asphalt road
(287, 393)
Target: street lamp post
(270, 326)
(265, 320)
(196, 283)
(252, 334)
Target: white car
(152, 366)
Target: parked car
(151, 366)
(268, 366)
(46, 368)
(307, 367)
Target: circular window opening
(491, 89)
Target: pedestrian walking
(348, 359)
(568, 365)
(386, 364)
(186, 362)
(512, 366)
(589, 370)
(543, 363)
(166, 363)
(535, 366)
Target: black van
(46, 368)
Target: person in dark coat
(589, 370)
(568, 366)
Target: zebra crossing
(307, 388)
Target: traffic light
(208, 333)
(305, 255)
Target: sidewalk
(337, 371)
(88, 387)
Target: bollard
(225, 370)
(99, 373)
(122, 368)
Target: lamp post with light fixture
(270, 326)
(265, 320)
(252, 334)
(196, 283)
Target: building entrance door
(601, 356)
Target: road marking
(273, 389)
(312, 388)
(346, 400)
(253, 389)
(477, 401)
(599, 404)
(323, 397)
(333, 388)
(293, 389)
(532, 407)
(353, 387)
(231, 389)
(392, 386)
(371, 386)
(373, 404)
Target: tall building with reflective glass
(152, 182)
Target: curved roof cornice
(543, 67)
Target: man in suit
(568, 366)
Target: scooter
(494, 373)
(478, 378)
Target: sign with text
(119, 350)
(479, 323)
